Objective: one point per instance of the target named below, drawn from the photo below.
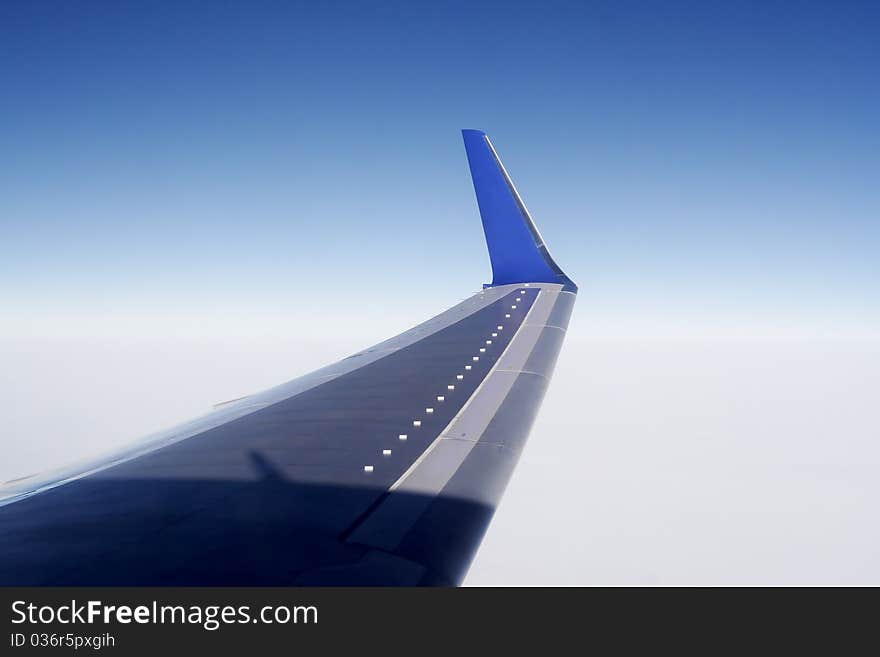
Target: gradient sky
(691, 164)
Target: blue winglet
(516, 248)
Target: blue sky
(686, 161)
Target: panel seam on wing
(433, 445)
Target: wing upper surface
(384, 468)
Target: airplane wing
(384, 468)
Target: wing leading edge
(384, 468)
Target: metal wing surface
(382, 469)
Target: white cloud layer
(686, 461)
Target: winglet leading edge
(516, 248)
